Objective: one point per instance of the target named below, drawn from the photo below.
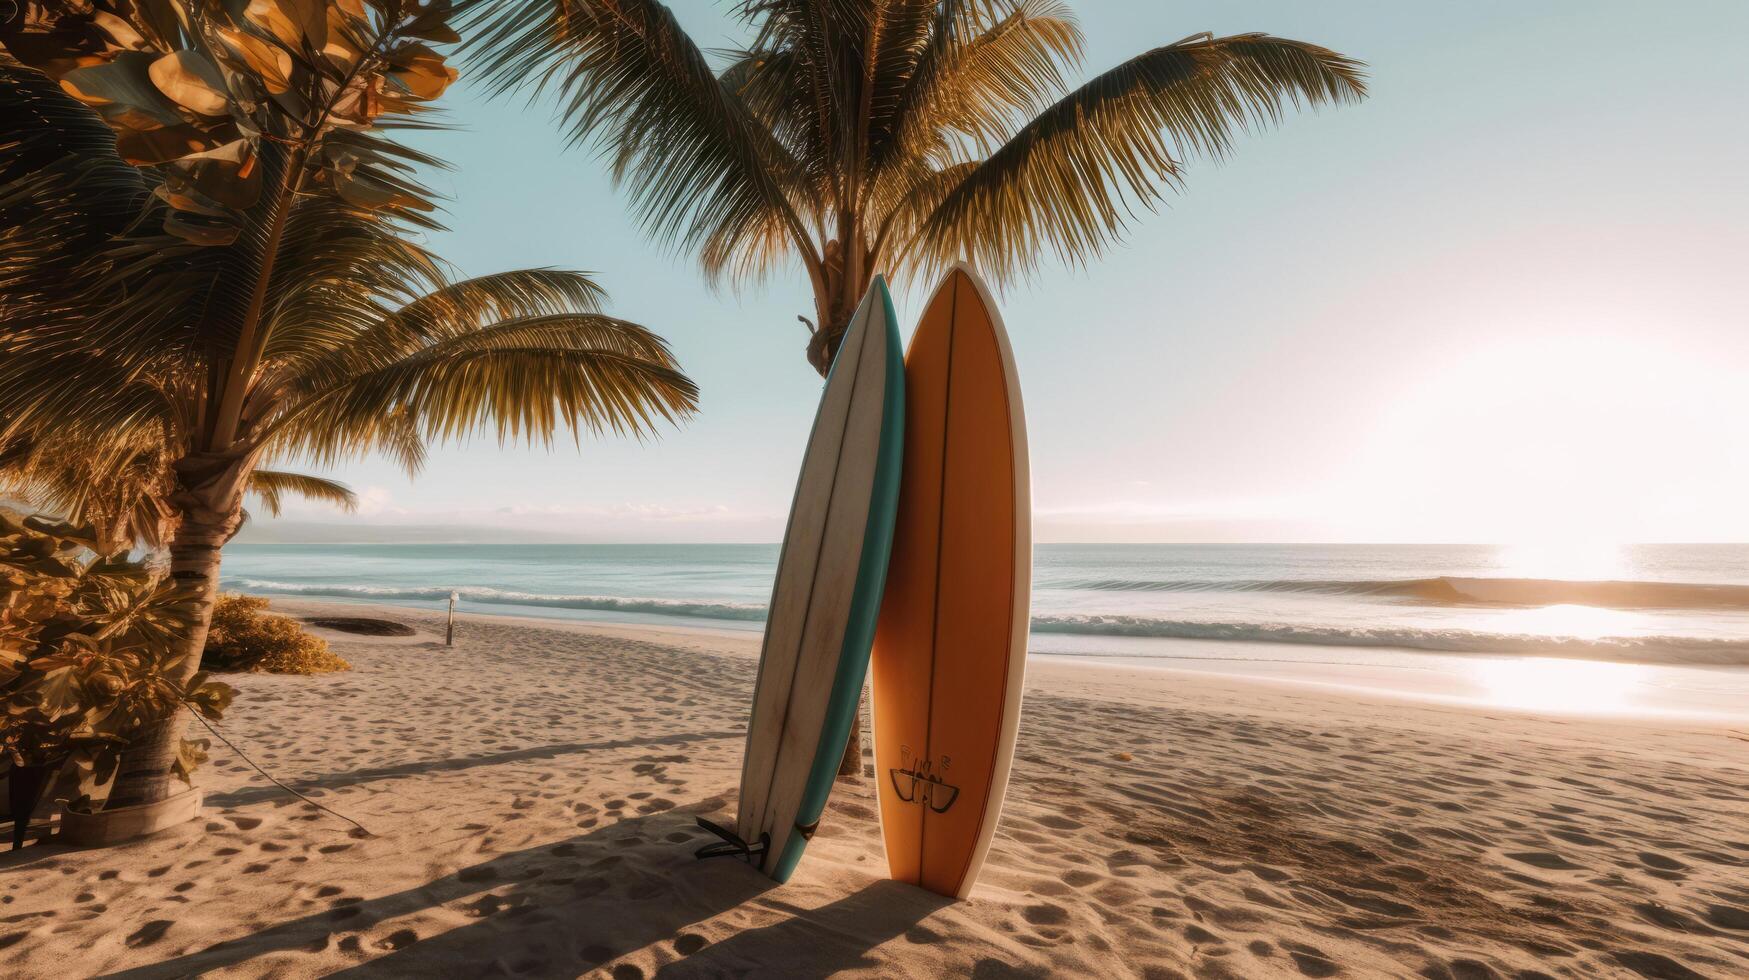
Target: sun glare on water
(1579, 560)
(1546, 684)
(1567, 620)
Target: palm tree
(207, 263)
(892, 136)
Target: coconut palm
(891, 136)
(208, 262)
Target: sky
(1502, 300)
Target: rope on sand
(240, 754)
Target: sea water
(1647, 630)
(1645, 604)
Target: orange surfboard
(950, 646)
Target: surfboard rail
(826, 595)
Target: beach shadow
(353, 777)
(570, 907)
(543, 911)
(821, 941)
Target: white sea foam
(1658, 604)
(1638, 649)
(504, 597)
(1631, 649)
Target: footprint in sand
(1653, 859)
(1669, 918)
(1200, 936)
(589, 888)
(1547, 860)
(1728, 917)
(1310, 960)
(1655, 965)
(1045, 914)
(399, 939)
(149, 933)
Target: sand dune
(532, 794)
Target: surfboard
(950, 648)
(827, 593)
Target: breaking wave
(1629, 649)
(1451, 590)
(599, 603)
(1634, 649)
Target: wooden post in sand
(449, 630)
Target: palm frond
(63, 188)
(523, 379)
(331, 338)
(273, 486)
(1070, 179)
(118, 488)
(988, 67)
(627, 76)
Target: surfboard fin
(731, 844)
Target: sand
(533, 792)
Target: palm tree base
(114, 826)
(147, 771)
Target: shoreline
(533, 793)
(1702, 696)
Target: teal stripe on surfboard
(865, 606)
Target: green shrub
(244, 637)
(86, 652)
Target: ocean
(1639, 604)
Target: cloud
(632, 511)
(379, 518)
(376, 501)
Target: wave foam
(599, 603)
(1647, 649)
(1455, 590)
(1635, 649)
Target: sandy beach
(531, 795)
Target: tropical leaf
(891, 137)
(1070, 179)
(173, 327)
(524, 378)
(273, 486)
(627, 75)
(190, 79)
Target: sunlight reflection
(1566, 619)
(1559, 685)
(1584, 560)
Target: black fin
(731, 844)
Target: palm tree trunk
(823, 344)
(209, 499)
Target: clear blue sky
(1503, 299)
